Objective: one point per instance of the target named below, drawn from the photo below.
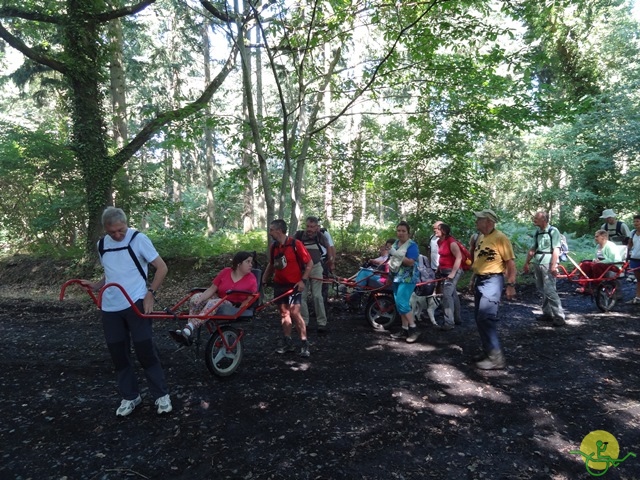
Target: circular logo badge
(600, 444)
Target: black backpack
(618, 234)
(300, 233)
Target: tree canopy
(200, 116)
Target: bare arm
(267, 274)
(158, 278)
(455, 250)
(511, 279)
(305, 275)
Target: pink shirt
(224, 282)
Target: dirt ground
(361, 407)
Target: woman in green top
(607, 253)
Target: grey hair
(113, 215)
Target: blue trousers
(488, 290)
(120, 329)
(402, 296)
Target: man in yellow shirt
(493, 260)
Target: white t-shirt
(635, 248)
(120, 268)
(327, 235)
(435, 257)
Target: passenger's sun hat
(608, 213)
(487, 213)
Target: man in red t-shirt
(292, 265)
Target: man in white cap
(619, 232)
(493, 259)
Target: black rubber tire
(380, 311)
(221, 362)
(605, 297)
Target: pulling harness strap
(102, 250)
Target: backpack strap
(547, 232)
(291, 242)
(134, 257)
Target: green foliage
(173, 243)
(42, 202)
(362, 240)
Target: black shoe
(322, 330)
(445, 327)
(180, 338)
(412, 335)
(558, 322)
(544, 318)
(286, 346)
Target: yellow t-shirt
(492, 252)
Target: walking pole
(577, 266)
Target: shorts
(633, 264)
(282, 288)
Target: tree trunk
(253, 123)
(82, 41)
(209, 156)
(117, 84)
(247, 192)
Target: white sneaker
(634, 301)
(128, 406)
(164, 404)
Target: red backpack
(467, 261)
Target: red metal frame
(213, 320)
(578, 276)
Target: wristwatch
(511, 284)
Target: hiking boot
(558, 322)
(445, 327)
(412, 335)
(544, 318)
(164, 404)
(494, 361)
(323, 330)
(128, 406)
(634, 301)
(400, 334)
(286, 346)
(304, 350)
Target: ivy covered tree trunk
(82, 45)
(75, 31)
